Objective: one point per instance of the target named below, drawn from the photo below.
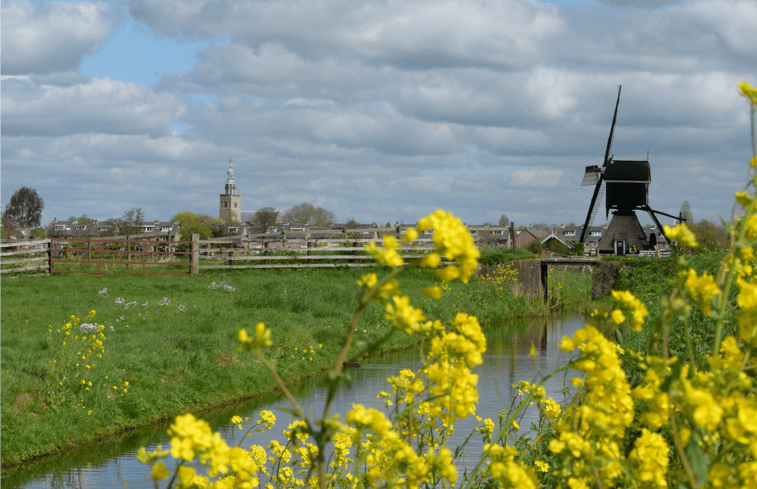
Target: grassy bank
(171, 342)
(649, 280)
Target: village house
(572, 234)
(554, 237)
(524, 237)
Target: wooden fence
(132, 256)
(96, 255)
(101, 255)
(294, 253)
(26, 256)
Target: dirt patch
(29, 402)
(226, 360)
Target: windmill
(626, 184)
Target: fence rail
(118, 254)
(296, 253)
(38, 248)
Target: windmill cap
(628, 171)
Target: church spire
(231, 186)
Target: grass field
(170, 343)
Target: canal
(113, 463)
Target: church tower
(231, 202)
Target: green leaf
(698, 459)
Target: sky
(379, 110)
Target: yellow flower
(432, 260)
(442, 464)
(434, 292)
(159, 471)
(403, 315)
(566, 344)
(747, 301)
(261, 339)
(748, 91)
(649, 458)
(410, 235)
(368, 281)
(387, 255)
(682, 233)
(617, 316)
(551, 408)
(452, 240)
(488, 427)
(632, 307)
(701, 289)
(372, 419)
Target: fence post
(49, 269)
(194, 260)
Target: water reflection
(113, 464)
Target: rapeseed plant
(78, 348)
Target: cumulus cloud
(536, 178)
(98, 106)
(50, 37)
(421, 34)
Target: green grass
(649, 280)
(491, 256)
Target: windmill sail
(591, 176)
(599, 172)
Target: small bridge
(545, 263)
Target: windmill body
(626, 185)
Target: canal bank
(508, 359)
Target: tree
(309, 214)
(9, 227)
(110, 227)
(535, 247)
(686, 214)
(264, 218)
(131, 222)
(25, 208)
(710, 236)
(504, 221)
(191, 224)
(218, 226)
(352, 224)
(84, 219)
